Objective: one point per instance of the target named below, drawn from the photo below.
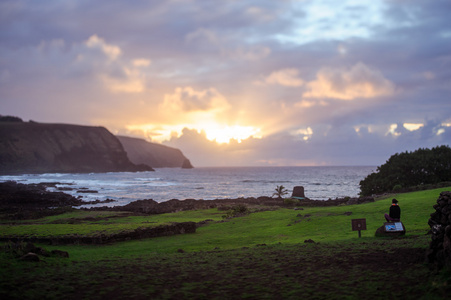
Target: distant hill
(30, 147)
(140, 151)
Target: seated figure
(394, 213)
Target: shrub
(397, 188)
(291, 201)
(236, 211)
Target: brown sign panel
(358, 224)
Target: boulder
(30, 257)
(391, 229)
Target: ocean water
(320, 183)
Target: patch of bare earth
(272, 272)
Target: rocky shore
(150, 206)
(21, 201)
(26, 201)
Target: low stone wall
(139, 233)
(440, 222)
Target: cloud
(285, 77)
(141, 62)
(312, 145)
(207, 41)
(132, 83)
(276, 69)
(187, 99)
(359, 81)
(112, 51)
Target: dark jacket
(395, 212)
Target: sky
(237, 82)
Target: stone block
(298, 191)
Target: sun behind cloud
(224, 134)
(215, 132)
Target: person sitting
(394, 213)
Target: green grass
(260, 255)
(288, 226)
(90, 223)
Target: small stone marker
(358, 224)
(298, 192)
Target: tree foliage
(280, 191)
(10, 119)
(408, 169)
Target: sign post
(358, 224)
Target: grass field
(258, 256)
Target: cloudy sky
(237, 82)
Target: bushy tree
(10, 119)
(408, 169)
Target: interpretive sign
(358, 224)
(393, 227)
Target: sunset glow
(225, 134)
(214, 132)
(239, 82)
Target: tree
(409, 169)
(280, 191)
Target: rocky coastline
(26, 201)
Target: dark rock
(30, 257)
(87, 191)
(24, 201)
(309, 241)
(60, 253)
(360, 200)
(439, 251)
(204, 222)
(41, 251)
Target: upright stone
(298, 192)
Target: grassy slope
(287, 226)
(326, 224)
(287, 270)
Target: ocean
(320, 183)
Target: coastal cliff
(30, 147)
(140, 151)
